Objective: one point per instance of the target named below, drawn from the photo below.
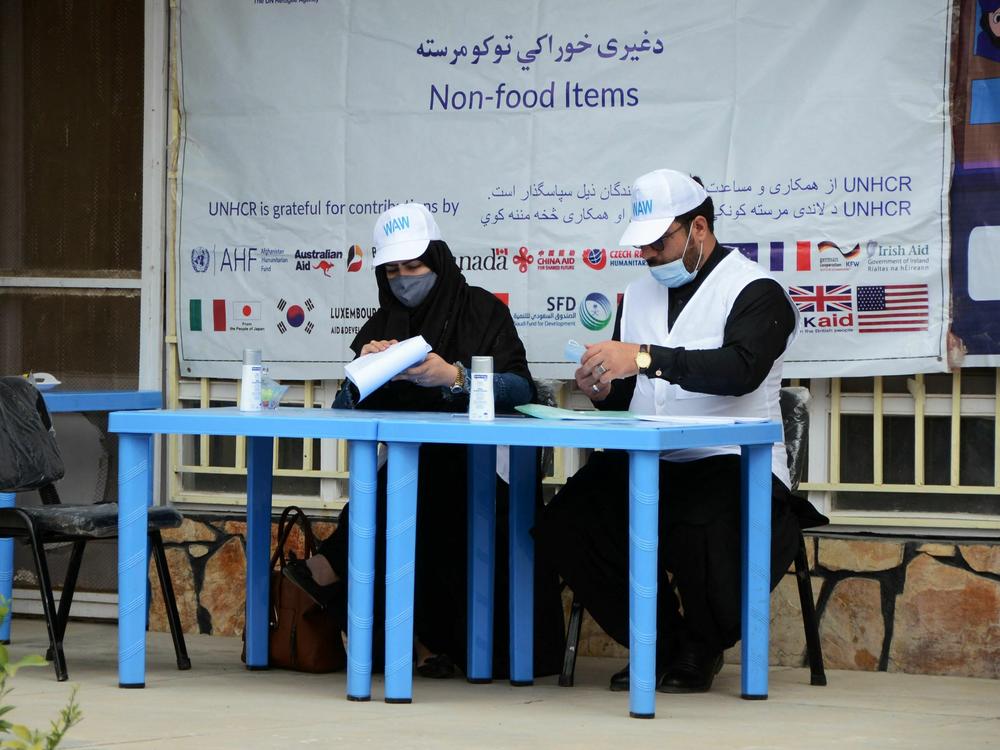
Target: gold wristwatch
(642, 359)
(459, 385)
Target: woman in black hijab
(422, 292)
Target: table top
(57, 401)
(285, 421)
(436, 427)
(627, 434)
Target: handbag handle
(291, 516)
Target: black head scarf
(457, 320)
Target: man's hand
(609, 360)
(587, 382)
(376, 346)
(432, 372)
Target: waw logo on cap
(403, 233)
(658, 198)
(642, 208)
(395, 224)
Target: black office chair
(53, 522)
(795, 417)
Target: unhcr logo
(400, 222)
(642, 208)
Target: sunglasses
(657, 245)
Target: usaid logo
(397, 224)
(642, 208)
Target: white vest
(700, 325)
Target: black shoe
(298, 573)
(691, 672)
(437, 667)
(620, 681)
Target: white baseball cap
(658, 198)
(403, 233)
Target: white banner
(820, 130)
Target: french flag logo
(778, 256)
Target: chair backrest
(29, 456)
(794, 403)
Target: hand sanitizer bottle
(481, 390)
(253, 372)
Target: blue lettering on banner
(401, 222)
(642, 208)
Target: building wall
(921, 607)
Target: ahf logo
(201, 259)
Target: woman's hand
(376, 346)
(431, 373)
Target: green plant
(18, 736)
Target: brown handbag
(301, 635)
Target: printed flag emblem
(195, 315)
(893, 308)
(824, 298)
(246, 311)
(295, 316)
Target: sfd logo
(561, 304)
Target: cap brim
(401, 251)
(645, 231)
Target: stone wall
(884, 604)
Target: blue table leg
(643, 533)
(400, 550)
(481, 561)
(361, 568)
(7, 572)
(134, 466)
(755, 533)
(260, 451)
(523, 469)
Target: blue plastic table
(643, 440)
(62, 402)
(136, 428)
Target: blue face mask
(674, 273)
(412, 290)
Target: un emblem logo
(200, 259)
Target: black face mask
(412, 290)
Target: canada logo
(595, 257)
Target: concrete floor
(218, 704)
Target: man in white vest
(703, 332)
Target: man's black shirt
(754, 336)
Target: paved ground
(218, 704)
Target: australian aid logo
(824, 307)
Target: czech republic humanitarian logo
(595, 312)
(595, 257)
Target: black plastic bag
(29, 456)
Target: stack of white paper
(372, 371)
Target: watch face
(643, 359)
